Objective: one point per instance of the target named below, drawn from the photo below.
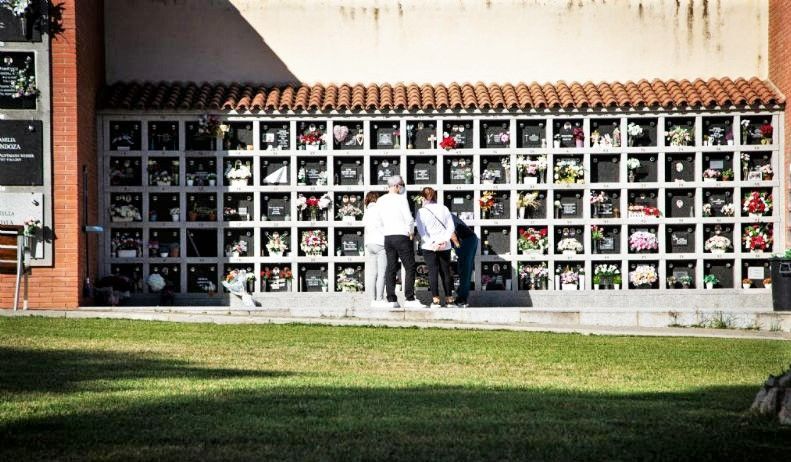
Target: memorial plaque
(647, 171)
(384, 169)
(275, 137)
(644, 198)
(315, 171)
(21, 153)
(196, 141)
(314, 280)
(493, 169)
(570, 204)
(277, 209)
(351, 244)
(496, 276)
(681, 239)
(424, 173)
(680, 167)
(239, 136)
(459, 171)
(723, 270)
(533, 135)
(611, 242)
(349, 173)
(244, 207)
(386, 136)
(15, 208)
(497, 241)
(564, 131)
(241, 235)
(605, 169)
(460, 131)
(495, 135)
(18, 68)
(202, 278)
(716, 164)
(460, 204)
(125, 135)
(163, 136)
(501, 208)
(718, 130)
(25, 28)
(606, 210)
(276, 171)
(680, 203)
(422, 135)
(717, 198)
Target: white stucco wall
(434, 40)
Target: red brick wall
(77, 76)
(780, 71)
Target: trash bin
(781, 284)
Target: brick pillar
(780, 75)
(74, 94)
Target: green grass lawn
(126, 390)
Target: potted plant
(616, 282)
(685, 281)
(190, 179)
(710, 281)
(212, 179)
(606, 274)
(596, 282)
(746, 283)
(175, 214)
(727, 174)
(570, 246)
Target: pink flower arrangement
(643, 241)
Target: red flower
(312, 201)
(767, 130)
(266, 273)
(543, 232)
(578, 133)
(448, 143)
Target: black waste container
(781, 284)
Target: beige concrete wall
(434, 40)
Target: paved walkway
(230, 318)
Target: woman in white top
(376, 258)
(435, 226)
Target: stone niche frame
(541, 123)
(40, 195)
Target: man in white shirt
(398, 228)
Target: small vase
(348, 219)
(313, 214)
(568, 286)
(556, 144)
(709, 286)
(127, 253)
(521, 213)
(174, 217)
(164, 254)
(616, 287)
(190, 182)
(746, 286)
(717, 251)
(768, 286)
(580, 143)
(239, 182)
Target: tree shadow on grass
(273, 420)
(64, 371)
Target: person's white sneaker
(391, 305)
(434, 306)
(380, 304)
(415, 304)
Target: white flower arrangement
(17, 7)
(632, 163)
(570, 244)
(634, 130)
(238, 171)
(606, 270)
(568, 171)
(727, 210)
(156, 282)
(643, 275)
(348, 281)
(717, 244)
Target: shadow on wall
(79, 405)
(221, 43)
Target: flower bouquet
(568, 171)
(569, 246)
(643, 276)
(125, 213)
(527, 201)
(529, 170)
(711, 174)
(125, 245)
(758, 237)
(349, 212)
(25, 83)
(642, 211)
(569, 279)
(727, 210)
(312, 138)
(643, 241)
(579, 136)
(32, 226)
(533, 241)
(679, 136)
(757, 204)
(448, 143)
(348, 281)
(237, 249)
(314, 205)
(533, 276)
(486, 203)
(313, 242)
(238, 173)
(276, 243)
(634, 133)
(717, 244)
(766, 133)
(767, 173)
(209, 127)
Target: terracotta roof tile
(345, 96)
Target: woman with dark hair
(435, 226)
(376, 257)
